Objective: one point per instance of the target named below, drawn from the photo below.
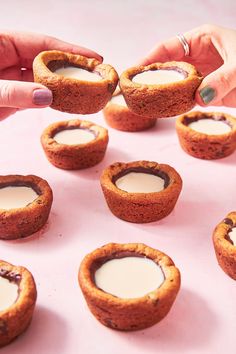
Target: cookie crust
(224, 248)
(22, 222)
(74, 157)
(128, 314)
(73, 95)
(206, 146)
(141, 207)
(15, 319)
(122, 118)
(161, 100)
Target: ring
(184, 43)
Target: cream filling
(129, 277)
(12, 197)
(78, 73)
(8, 293)
(210, 126)
(138, 182)
(118, 99)
(232, 235)
(158, 77)
(74, 136)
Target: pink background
(203, 318)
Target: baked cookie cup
(110, 266)
(79, 84)
(224, 240)
(120, 117)
(207, 135)
(25, 204)
(141, 191)
(17, 302)
(74, 144)
(160, 90)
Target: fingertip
(205, 95)
(42, 97)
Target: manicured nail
(207, 94)
(42, 97)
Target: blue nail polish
(207, 94)
(42, 97)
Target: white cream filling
(74, 136)
(78, 73)
(232, 235)
(118, 99)
(139, 182)
(129, 277)
(158, 77)
(8, 293)
(210, 126)
(12, 197)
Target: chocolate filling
(54, 65)
(149, 171)
(16, 183)
(230, 223)
(60, 129)
(169, 68)
(187, 120)
(12, 277)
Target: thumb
(20, 94)
(217, 85)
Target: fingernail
(42, 97)
(207, 94)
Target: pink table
(203, 318)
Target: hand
(17, 52)
(213, 53)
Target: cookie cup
(161, 100)
(15, 319)
(141, 207)
(224, 248)
(120, 117)
(206, 146)
(135, 313)
(73, 95)
(21, 222)
(77, 156)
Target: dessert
(128, 286)
(119, 116)
(160, 90)
(74, 144)
(17, 301)
(141, 191)
(25, 204)
(79, 84)
(207, 135)
(224, 239)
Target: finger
(170, 50)
(228, 101)
(6, 112)
(24, 95)
(17, 74)
(27, 45)
(217, 85)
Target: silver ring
(184, 43)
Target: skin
(17, 51)
(213, 53)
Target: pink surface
(203, 318)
